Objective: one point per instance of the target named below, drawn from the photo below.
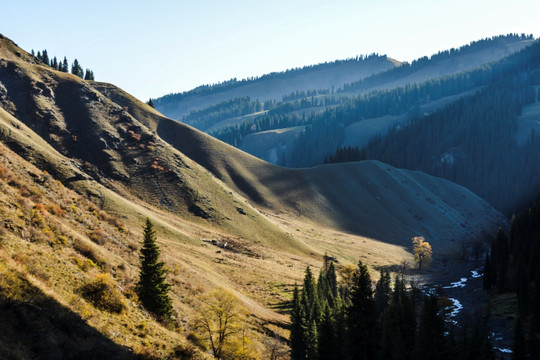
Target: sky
(152, 48)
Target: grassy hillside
(82, 164)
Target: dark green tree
(383, 291)
(298, 328)
(430, 339)
(327, 336)
(331, 279)
(89, 75)
(362, 317)
(64, 65)
(398, 324)
(76, 69)
(150, 103)
(45, 57)
(152, 289)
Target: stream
(467, 293)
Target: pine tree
(331, 279)
(76, 69)
(152, 288)
(362, 317)
(383, 291)
(45, 57)
(298, 328)
(64, 65)
(89, 75)
(327, 336)
(150, 102)
(430, 339)
(398, 325)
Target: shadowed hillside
(223, 218)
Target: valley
(83, 165)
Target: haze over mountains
(127, 162)
(306, 127)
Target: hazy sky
(151, 48)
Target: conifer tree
(89, 75)
(150, 102)
(362, 317)
(298, 328)
(152, 289)
(64, 65)
(398, 325)
(45, 57)
(312, 341)
(76, 69)
(327, 336)
(383, 290)
(331, 279)
(430, 339)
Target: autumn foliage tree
(422, 251)
(221, 324)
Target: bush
(102, 292)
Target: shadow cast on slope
(41, 328)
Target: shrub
(85, 250)
(102, 292)
(97, 236)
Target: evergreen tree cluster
(339, 320)
(205, 118)
(62, 65)
(512, 266)
(346, 154)
(406, 69)
(233, 83)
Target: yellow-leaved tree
(221, 324)
(422, 251)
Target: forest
(346, 319)
(512, 266)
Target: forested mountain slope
(273, 86)
(487, 142)
(128, 162)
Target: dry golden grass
(127, 163)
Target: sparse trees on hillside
(152, 288)
(56, 64)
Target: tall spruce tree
(362, 317)
(430, 339)
(327, 336)
(398, 325)
(64, 67)
(298, 328)
(383, 290)
(152, 289)
(76, 69)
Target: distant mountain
(275, 85)
(223, 218)
(270, 129)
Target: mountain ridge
(128, 162)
